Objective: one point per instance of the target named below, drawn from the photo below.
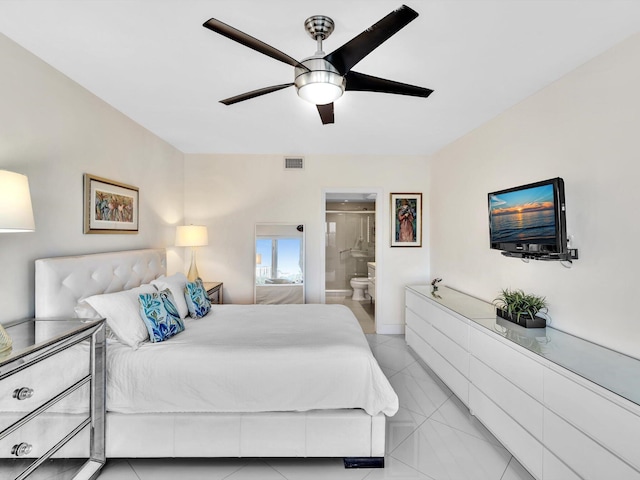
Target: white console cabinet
(564, 407)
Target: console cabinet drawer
(416, 304)
(457, 382)
(445, 333)
(520, 406)
(455, 355)
(583, 455)
(614, 427)
(419, 325)
(419, 345)
(516, 367)
(520, 443)
(554, 469)
(454, 328)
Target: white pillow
(175, 283)
(122, 311)
(84, 310)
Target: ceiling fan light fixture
(322, 79)
(320, 93)
(321, 83)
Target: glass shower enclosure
(350, 244)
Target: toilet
(359, 285)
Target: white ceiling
(153, 61)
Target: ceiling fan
(323, 78)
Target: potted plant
(521, 308)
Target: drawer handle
(21, 449)
(23, 393)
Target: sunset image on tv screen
(523, 216)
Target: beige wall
(585, 128)
(231, 193)
(54, 131)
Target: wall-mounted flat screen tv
(529, 220)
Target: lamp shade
(192, 236)
(16, 213)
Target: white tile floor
(432, 437)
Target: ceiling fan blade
(326, 113)
(253, 94)
(367, 83)
(251, 42)
(345, 57)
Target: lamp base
(193, 269)
(5, 340)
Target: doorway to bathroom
(350, 218)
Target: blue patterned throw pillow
(160, 315)
(197, 299)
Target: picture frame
(406, 219)
(109, 206)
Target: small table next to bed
(214, 291)
(53, 416)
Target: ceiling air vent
(293, 163)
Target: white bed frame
(349, 433)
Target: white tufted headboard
(62, 281)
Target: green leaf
(517, 303)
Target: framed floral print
(109, 206)
(406, 219)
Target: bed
(246, 380)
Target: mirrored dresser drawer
(52, 392)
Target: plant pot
(524, 320)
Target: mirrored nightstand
(52, 406)
(214, 290)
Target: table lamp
(192, 236)
(16, 215)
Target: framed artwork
(406, 219)
(109, 207)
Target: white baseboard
(390, 329)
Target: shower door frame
(378, 250)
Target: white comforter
(253, 358)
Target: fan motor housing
(319, 26)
